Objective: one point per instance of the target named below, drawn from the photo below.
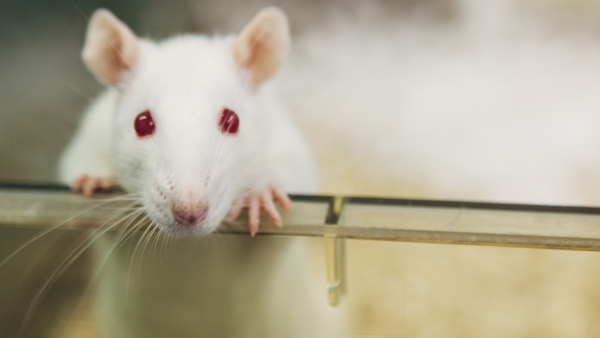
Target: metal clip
(335, 250)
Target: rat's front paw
(89, 184)
(259, 200)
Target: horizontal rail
(556, 227)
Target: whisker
(163, 248)
(155, 244)
(76, 253)
(145, 233)
(127, 230)
(154, 227)
(45, 232)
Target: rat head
(189, 134)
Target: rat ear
(262, 45)
(111, 48)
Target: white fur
(90, 150)
(186, 82)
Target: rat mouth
(177, 229)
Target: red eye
(144, 124)
(229, 122)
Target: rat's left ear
(262, 45)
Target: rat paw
(258, 201)
(89, 184)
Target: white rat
(191, 127)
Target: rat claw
(88, 185)
(269, 205)
(262, 198)
(108, 183)
(236, 209)
(254, 215)
(282, 198)
(77, 184)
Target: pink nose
(189, 214)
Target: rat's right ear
(111, 48)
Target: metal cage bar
(556, 227)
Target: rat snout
(190, 212)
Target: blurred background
(478, 100)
